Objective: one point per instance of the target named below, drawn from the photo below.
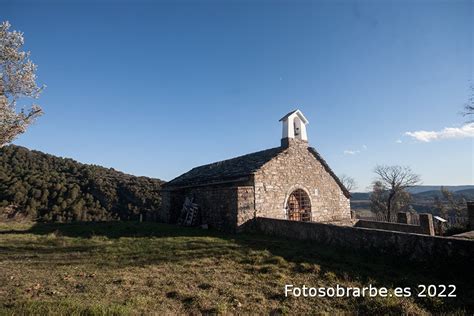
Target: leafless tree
(441, 207)
(457, 204)
(469, 106)
(378, 198)
(17, 80)
(395, 180)
(348, 182)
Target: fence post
(470, 214)
(426, 224)
(403, 218)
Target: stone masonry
(297, 168)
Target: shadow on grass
(151, 244)
(109, 229)
(291, 250)
(347, 263)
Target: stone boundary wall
(405, 228)
(414, 247)
(426, 226)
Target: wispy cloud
(355, 151)
(351, 152)
(398, 141)
(446, 133)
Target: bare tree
(456, 204)
(17, 80)
(469, 106)
(378, 198)
(441, 207)
(348, 182)
(395, 180)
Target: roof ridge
(237, 157)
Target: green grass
(148, 268)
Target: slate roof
(237, 168)
(225, 170)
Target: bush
(457, 229)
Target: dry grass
(148, 268)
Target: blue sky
(156, 88)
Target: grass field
(149, 268)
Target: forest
(48, 188)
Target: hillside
(426, 190)
(50, 188)
(130, 268)
(467, 193)
(452, 188)
(423, 201)
(425, 195)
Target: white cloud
(398, 141)
(351, 152)
(356, 151)
(446, 133)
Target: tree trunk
(389, 205)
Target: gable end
(329, 170)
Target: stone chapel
(291, 182)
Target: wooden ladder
(188, 213)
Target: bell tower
(294, 129)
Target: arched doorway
(298, 206)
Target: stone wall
(411, 246)
(221, 207)
(406, 228)
(164, 213)
(171, 205)
(426, 225)
(297, 168)
(245, 204)
(217, 205)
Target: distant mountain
(360, 196)
(424, 188)
(51, 188)
(427, 194)
(466, 193)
